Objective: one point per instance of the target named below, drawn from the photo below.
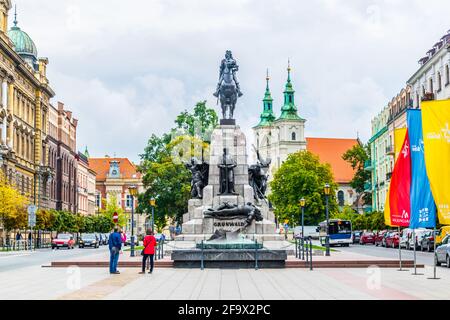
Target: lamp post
(302, 204)
(327, 190)
(133, 192)
(152, 204)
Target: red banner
(399, 194)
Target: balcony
(367, 186)
(390, 150)
(368, 165)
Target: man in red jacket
(148, 251)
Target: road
(371, 250)
(24, 259)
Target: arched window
(447, 75)
(290, 99)
(431, 85)
(439, 79)
(294, 136)
(341, 200)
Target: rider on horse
(230, 63)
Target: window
(294, 136)
(439, 79)
(97, 200)
(341, 199)
(290, 99)
(447, 75)
(431, 85)
(129, 201)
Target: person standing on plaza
(115, 247)
(148, 251)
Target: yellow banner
(399, 138)
(436, 135)
(387, 210)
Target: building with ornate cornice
(24, 107)
(277, 138)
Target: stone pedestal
(195, 226)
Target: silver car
(442, 254)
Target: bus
(340, 232)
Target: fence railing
(303, 250)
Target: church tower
(263, 131)
(276, 138)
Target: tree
(110, 207)
(65, 222)
(357, 156)
(13, 213)
(164, 175)
(302, 176)
(200, 122)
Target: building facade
(277, 138)
(432, 79)
(430, 82)
(82, 184)
(25, 101)
(114, 178)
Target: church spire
(267, 116)
(289, 110)
(15, 15)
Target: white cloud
(127, 68)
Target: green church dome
(23, 44)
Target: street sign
(115, 217)
(32, 215)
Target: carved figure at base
(231, 211)
(258, 176)
(199, 177)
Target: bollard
(256, 254)
(310, 253)
(201, 262)
(296, 256)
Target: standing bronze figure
(228, 89)
(227, 174)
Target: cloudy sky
(127, 68)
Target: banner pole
(415, 256)
(400, 251)
(434, 253)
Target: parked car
(128, 240)
(379, 237)
(367, 237)
(442, 254)
(427, 242)
(392, 239)
(160, 236)
(89, 240)
(443, 232)
(419, 235)
(357, 236)
(63, 240)
(106, 238)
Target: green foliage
(164, 176)
(110, 207)
(357, 156)
(65, 222)
(367, 221)
(199, 123)
(302, 176)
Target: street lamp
(133, 192)
(302, 204)
(327, 190)
(152, 204)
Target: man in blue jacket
(115, 245)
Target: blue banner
(423, 208)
